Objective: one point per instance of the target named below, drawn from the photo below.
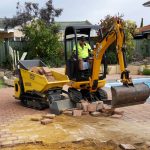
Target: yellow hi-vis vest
(83, 52)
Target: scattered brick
(46, 121)
(116, 116)
(100, 106)
(107, 107)
(79, 105)
(92, 107)
(36, 118)
(50, 116)
(96, 114)
(85, 105)
(67, 112)
(108, 110)
(85, 113)
(77, 112)
(127, 147)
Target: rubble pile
(96, 109)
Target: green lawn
(1, 83)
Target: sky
(91, 10)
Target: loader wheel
(101, 94)
(75, 95)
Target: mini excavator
(34, 90)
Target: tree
(43, 43)
(129, 29)
(41, 32)
(31, 11)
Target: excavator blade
(132, 95)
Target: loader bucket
(132, 95)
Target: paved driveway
(15, 129)
(11, 109)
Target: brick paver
(11, 109)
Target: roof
(64, 24)
(147, 4)
(144, 29)
(84, 29)
(141, 32)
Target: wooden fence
(13, 49)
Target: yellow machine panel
(33, 81)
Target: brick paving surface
(11, 109)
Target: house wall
(6, 35)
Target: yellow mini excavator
(87, 84)
(34, 90)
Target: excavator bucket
(132, 95)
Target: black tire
(75, 95)
(101, 94)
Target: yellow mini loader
(36, 91)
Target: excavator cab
(74, 66)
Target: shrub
(146, 72)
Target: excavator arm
(116, 34)
(128, 93)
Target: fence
(13, 49)
(2, 53)
(143, 47)
(16, 49)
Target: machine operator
(83, 53)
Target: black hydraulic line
(124, 57)
(123, 51)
